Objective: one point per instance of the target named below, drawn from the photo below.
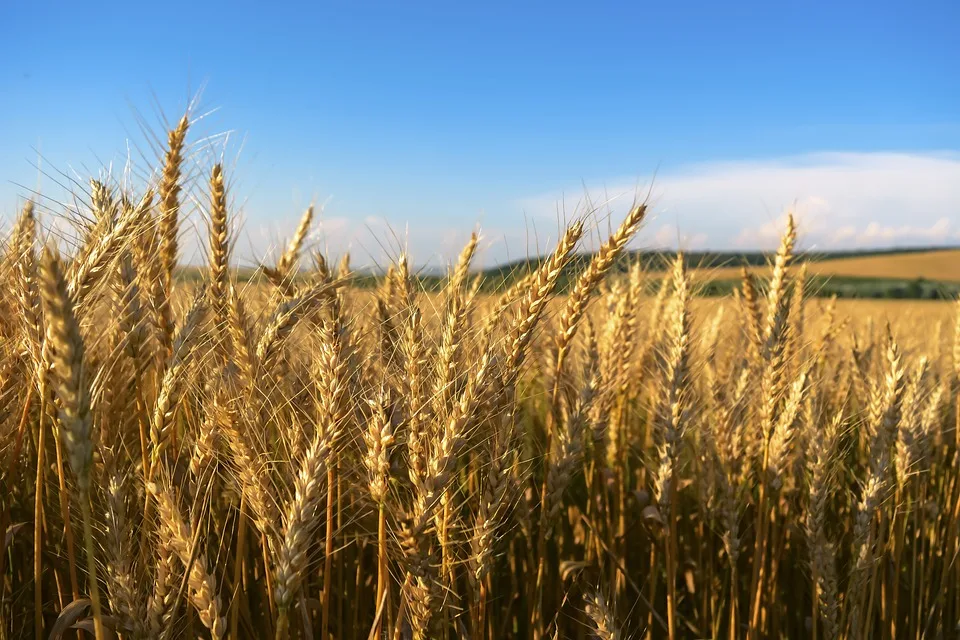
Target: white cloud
(938, 232)
(839, 199)
(668, 236)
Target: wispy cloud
(840, 200)
(670, 236)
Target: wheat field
(292, 458)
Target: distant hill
(895, 273)
(920, 261)
(913, 273)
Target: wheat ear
(67, 357)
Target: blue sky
(423, 120)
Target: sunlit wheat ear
(309, 483)
(87, 270)
(379, 439)
(283, 321)
(21, 247)
(201, 583)
(671, 416)
(886, 407)
(252, 479)
(564, 461)
(319, 265)
(535, 299)
(749, 299)
(601, 617)
(601, 262)
(493, 500)
(163, 412)
(331, 375)
(66, 352)
(298, 520)
(121, 582)
(453, 328)
(929, 419)
(885, 414)
(909, 433)
(291, 255)
(797, 307)
(67, 363)
(129, 306)
(170, 188)
(145, 247)
(218, 256)
(160, 608)
(784, 432)
(207, 437)
(823, 471)
(511, 295)
(103, 203)
(343, 267)
(242, 341)
(777, 303)
(411, 360)
(419, 586)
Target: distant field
(940, 265)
